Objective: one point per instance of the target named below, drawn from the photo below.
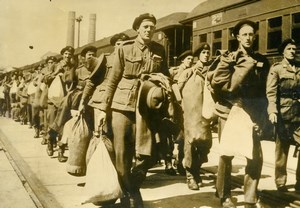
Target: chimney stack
(92, 29)
(71, 29)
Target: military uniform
(283, 92)
(240, 78)
(197, 134)
(132, 60)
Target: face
(89, 55)
(67, 56)
(246, 36)
(204, 55)
(289, 51)
(187, 61)
(50, 63)
(146, 30)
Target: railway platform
(29, 178)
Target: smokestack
(92, 29)
(71, 29)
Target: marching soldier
(65, 69)
(133, 59)
(283, 92)
(239, 83)
(71, 100)
(96, 84)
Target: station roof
(213, 6)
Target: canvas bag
(102, 184)
(208, 106)
(56, 91)
(78, 143)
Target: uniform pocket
(126, 92)
(132, 65)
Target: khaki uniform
(283, 93)
(132, 60)
(241, 78)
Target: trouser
(123, 127)
(252, 172)
(23, 112)
(281, 156)
(36, 116)
(2, 107)
(195, 154)
(51, 114)
(63, 114)
(29, 114)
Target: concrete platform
(54, 187)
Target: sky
(43, 23)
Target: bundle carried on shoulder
(56, 91)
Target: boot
(37, 132)
(61, 157)
(49, 148)
(44, 141)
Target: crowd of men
(145, 108)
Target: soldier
(283, 92)
(197, 134)
(186, 59)
(71, 100)
(96, 84)
(239, 81)
(65, 69)
(46, 72)
(133, 59)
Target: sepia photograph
(150, 104)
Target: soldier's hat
(138, 20)
(185, 54)
(238, 26)
(67, 48)
(52, 58)
(285, 43)
(97, 66)
(87, 49)
(118, 37)
(151, 97)
(200, 48)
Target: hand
(102, 118)
(273, 118)
(81, 107)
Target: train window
(296, 28)
(203, 38)
(217, 41)
(274, 32)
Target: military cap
(117, 37)
(285, 43)
(185, 54)
(52, 58)
(200, 48)
(67, 48)
(87, 49)
(238, 26)
(138, 20)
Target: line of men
(143, 106)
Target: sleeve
(114, 78)
(88, 90)
(231, 72)
(271, 90)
